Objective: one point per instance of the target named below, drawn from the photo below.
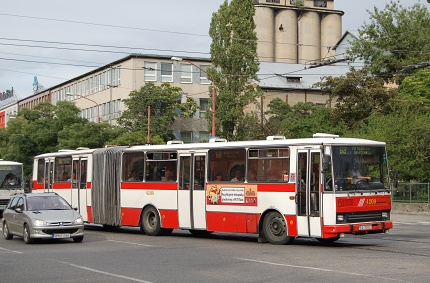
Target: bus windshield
(359, 168)
(10, 176)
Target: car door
(14, 218)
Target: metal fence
(412, 192)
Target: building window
(187, 137)
(204, 105)
(273, 1)
(321, 4)
(166, 72)
(186, 73)
(203, 75)
(150, 71)
(295, 80)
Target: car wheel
(26, 235)
(78, 239)
(6, 234)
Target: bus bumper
(357, 228)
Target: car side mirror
(18, 209)
(75, 208)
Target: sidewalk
(410, 218)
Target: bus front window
(360, 168)
(10, 176)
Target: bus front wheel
(275, 229)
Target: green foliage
(301, 120)
(417, 86)
(357, 95)
(165, 106)
(234, 55)
(395, 37)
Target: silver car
(41, 216)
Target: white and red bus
(11, 181)
(321, 187)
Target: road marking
(130, 243)
(320, 269)
(106, 273)
(12, 251)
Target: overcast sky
(58, 40)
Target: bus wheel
(150, 222)
(200, 233)
(328, 240)
(275, 229)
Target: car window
(20, 203)
(12, 203)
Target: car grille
(355, 217)
(59, 231)
(60, 223)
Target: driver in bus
(355, 173)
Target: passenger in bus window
(168, 176)
(64, 177)
(273, 175)
(133, 177)
(252, 177)
(218, 177)
(238, 177)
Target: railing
(412, 193)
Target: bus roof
(318, 140)
(5, 162)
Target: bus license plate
(365, 227)
(61, 236)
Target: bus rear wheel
(275, 229)
(150, 223)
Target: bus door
(308, 193)
(191, 193)
(79, 185)
(49, 176)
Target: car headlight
(79, 220)
(39, 222)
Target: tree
(234, 57)
(417, 86)
(165, 106)
(301, 120)
(397, 36)
(357, 95)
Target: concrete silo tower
(296, 31)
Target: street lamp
(98, 105)
(213, 89)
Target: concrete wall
(411, 208)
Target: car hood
(54, 215)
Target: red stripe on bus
(292, 225)
(277, 187)
(149, 186)
(62, 185)
(362, 203)
(232, 222)
(131, 217)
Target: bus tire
(150, 222)
(275, 229)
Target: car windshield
(47, 203)
(360, 168)
(10, 176)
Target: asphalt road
(125, 255)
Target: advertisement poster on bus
(245, 195)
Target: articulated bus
(11, 174)
(279, 189)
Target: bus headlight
(340, 218)
(384, 215)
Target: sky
(59, 40)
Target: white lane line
(130, 243)
(12, 251)
(106, 273)
(321, 269)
